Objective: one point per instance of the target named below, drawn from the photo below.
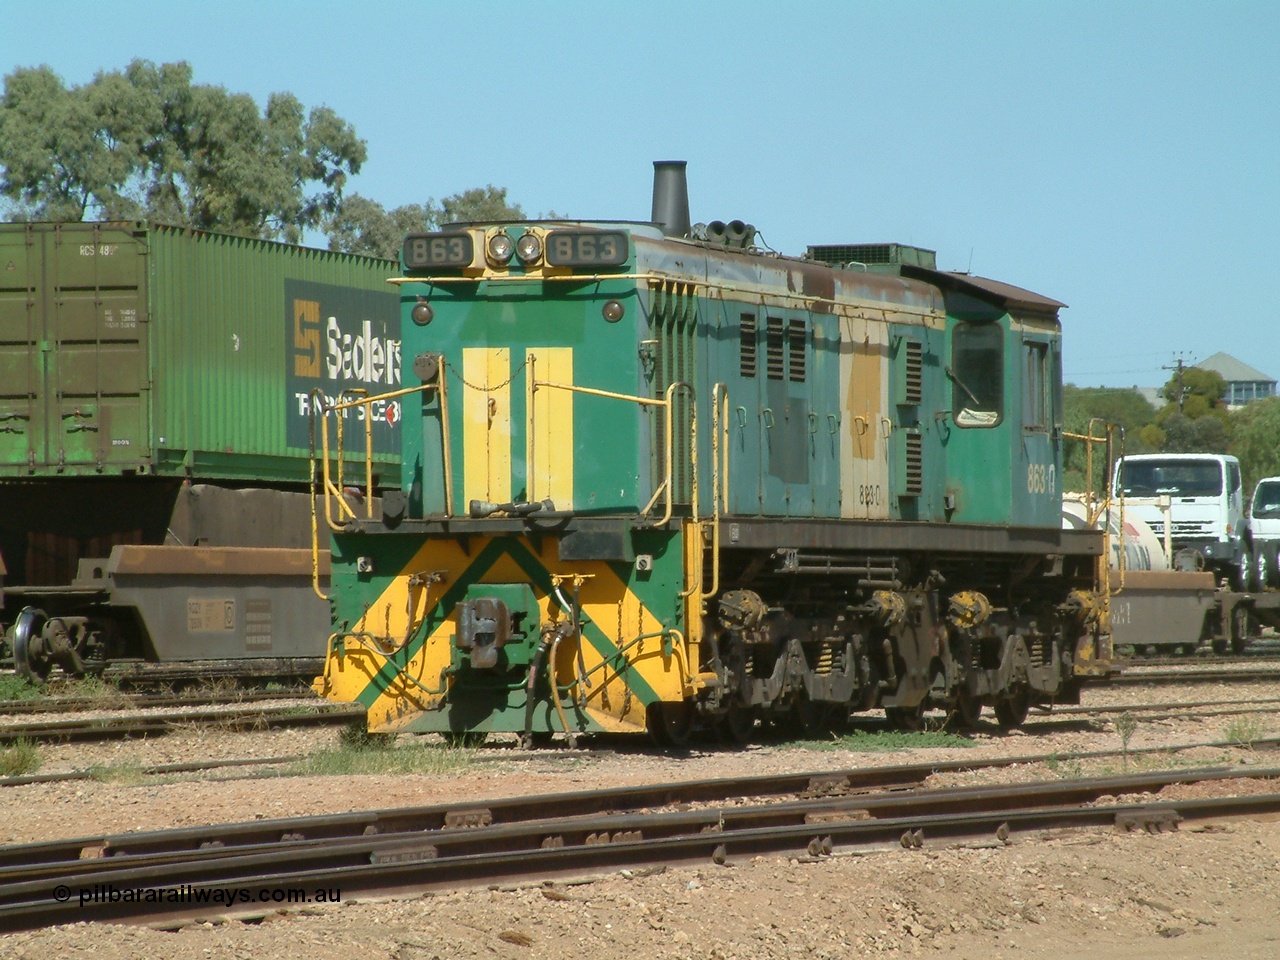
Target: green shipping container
(141, 349)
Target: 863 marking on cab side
(1041, 478)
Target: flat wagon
(155, 385)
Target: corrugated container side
(178, 352)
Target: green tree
(364, 226)
(1256, 440)
(146, 141)
(1193, 382)
(1207, 434)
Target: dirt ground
(1207, 890)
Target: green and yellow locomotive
(658, 479)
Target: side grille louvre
(915, 465)
(747, 346)
(774, 349)
(915, 371)
(796, 351)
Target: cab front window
(977, 374)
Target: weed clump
(20, 758)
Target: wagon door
(74, 302)
(21, 357)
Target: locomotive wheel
(966, 712)
(670, 723)
(810, 718)
(1011, 711)
(30, 659)
(736, 726)
(907, 719)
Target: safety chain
(492, 387)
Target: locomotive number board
(426, 250)
(593, 248)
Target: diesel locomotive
(657, 478)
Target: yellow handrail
(664, 489)
(332, 492)
(1098, 506)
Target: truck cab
(1195, 503)
(1264, 525)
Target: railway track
(555, 836)
(575, 754)
(319, 713)
(122, 727)
(1130, 676)
(1248, 659)
(141, 674)
(146, 701)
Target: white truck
(1193, 501)
(1264, 526)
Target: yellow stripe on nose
(550, 440)
(486, 424)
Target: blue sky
(1122, 157)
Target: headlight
(500, 248)
(529, 248)
(612, 310)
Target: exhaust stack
(671, 197)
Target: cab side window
(977, 374)
(1035, 386)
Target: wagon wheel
(670, 723)
(1011, 710)
(908, 719)
(966, 711)
(737, 725)
(30, 658)
(1239, 628)
(1241, 575)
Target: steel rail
(220, 863)
(550, 848)
(1126, 678)
(110, 728)
(144, 701)
(155, 770)
(577, 754)
(1247, 706)
(509, 810)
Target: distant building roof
(1152, 395)
(1232, 370)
